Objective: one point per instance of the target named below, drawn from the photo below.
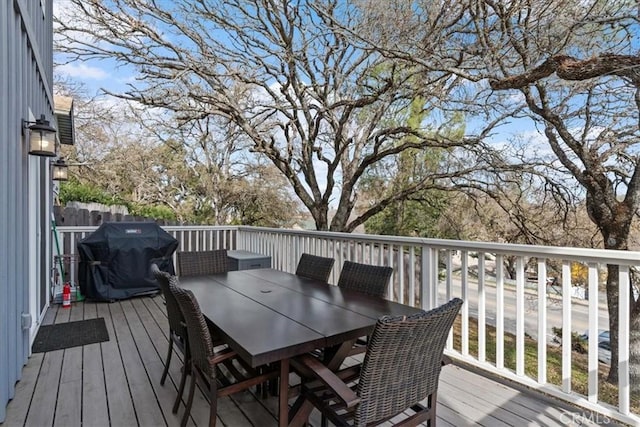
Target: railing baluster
(500, 311)
(448, 290)
(449, 277)
(400, 274)
(464, 283)
(623, 340)
(427, 285)
(566, 326)
(520, 279)
(412, 276)
(482, 301)
(542, 320)
(592, 391)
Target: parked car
(604, 352)
(604, 345)
(603, 335)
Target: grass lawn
(607, 393)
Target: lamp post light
(42, 137)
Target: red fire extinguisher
(66, 295)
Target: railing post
(429, 277)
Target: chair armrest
(222, 355)
(307, 364)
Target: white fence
(427, 272)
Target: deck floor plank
(69, 405)
(254, 409)
(18, 407)
(508, 398)
(119, 383)
(94, 391)
(45, 394)
(64, 314)
(120, 402)
(144, 399)
(158, 328)
(50, 315)
(145, 332)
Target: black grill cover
(115, 260)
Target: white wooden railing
(427, 272)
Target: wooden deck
(117, 383)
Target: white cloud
(82, 71)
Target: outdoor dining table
(270, 316)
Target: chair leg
(433, 400)
(213, 403)
(183, 381)
(187, 409)
(168, 360)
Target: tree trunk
(613, 293)
(634, 348)
(510, 267)
(320, 217)
(612, 306)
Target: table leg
(283, 395)
(338, 355)
(303, 408)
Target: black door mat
(71, 334)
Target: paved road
(579, 309)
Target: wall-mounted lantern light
(42, 137)
(60, 170)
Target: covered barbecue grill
(115, 260)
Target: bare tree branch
(568, 68)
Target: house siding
(26, 75)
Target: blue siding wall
(25, 86)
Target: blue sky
(95, 74)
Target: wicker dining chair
(205, 360)
(368, 279)
(315, 267)
(202, 263)
(177, 331)
(401, 368)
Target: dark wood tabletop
(268, 315)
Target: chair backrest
(315, 267)
(403, 362)
(200, 342)
(368, 279)
(173, 310)
(202, 263)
